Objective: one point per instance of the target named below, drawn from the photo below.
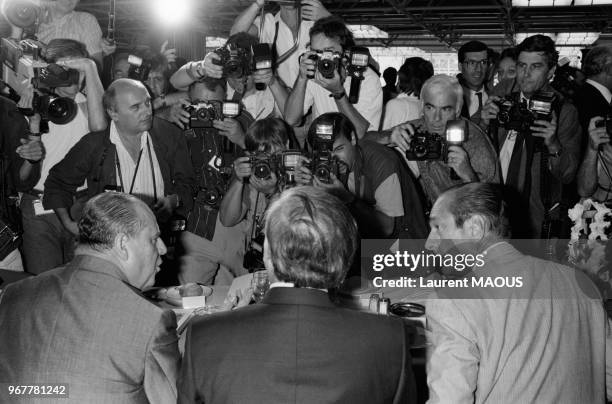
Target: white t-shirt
(403, 108)
(290, 68)
(61, 138)
(260, 104)
(369, 104)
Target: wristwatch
(337, 96)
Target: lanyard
(136, 170)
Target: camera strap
(118, 166)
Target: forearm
(230, 210)
(294, 108)
(244, 21)
(587, 174)
(185, 76)
(95, 91)
(26, 170)
(279, 92)
(383, 137)
(360, 123)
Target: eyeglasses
(473, 63)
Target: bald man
(137, 154)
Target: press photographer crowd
(129, 171)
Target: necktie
(479, 94)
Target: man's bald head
(119, 86)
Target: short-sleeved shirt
(290, 68)
(400, 109)
(369, 104)
(77, 25)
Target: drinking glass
(260, 284)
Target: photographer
(45, 242)
(211, 252)
(370, 179)
(248, 196)
(472, 160)
(595, 173)
(136, 154)
(536, 160)
(331, 35)
(287, 32)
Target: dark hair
(540, 43)
(390, 75)
(312, 238)
(242, 40)
(483, 199)
(418, 71)
(472, 46)
(64, 48)
(509, 53)
(342, 126)
(108, 214)
(596, 60)
(333, 27)
(268, 132)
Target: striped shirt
(77, 25)
(142, 184)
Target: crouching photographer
(254, 185)
(539, 137)
(64, 115)
(438, 153)
(368, 177)
(215, 138)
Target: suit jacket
(93, 159)
(296, 347)
(590, 103)
(542, 342)
(83, 326)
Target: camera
(358, 58)
(425, 146)
(322, 161)
(59, 110)
(236, 61)
(202, 114)
(515, 115)
(327, 63)
(139, 68)
(288, 162)
(263, 165)
(262, 59)
(606, 123)
(253, 257)
(22, 13)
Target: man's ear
(476, 227)
(112, 113)
(121, 246)
(551, 72)
(353, 139)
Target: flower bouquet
(588, 245)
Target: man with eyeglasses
(538, 160)
(330, 35)
(473, 65)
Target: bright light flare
(172, 13)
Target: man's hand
(597, 136)
(242, 168)
(260, 3)
(400, 137)
(210, 68)
(177, 97)
(83, 65)
(489, 110)
(266, 186)
(176, 114)
(308, 66)
(265, 76)
(242, 298)
(231, 129)
(303, 175)
(313, 10)
(459, 161)
(547, 131)
(31, 149)
(335, 187)
(333, 85)
(169, 54)
(108, 47)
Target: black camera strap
(117, 164)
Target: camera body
(59, 110)
(322, 161)
(139, 68)
(236, 61)
(426, 146)
(514, 115)
(263, 165)
(327, 63)
(202, 114)
(606, 123)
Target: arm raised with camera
(294, 108)
(233, 207)
(587, 173)
(244, 21)
(95, 111)
(31, 151)
(195, 71)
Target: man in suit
(473, 67)
(594, 175)
(297, 346)
(86, 324)
(538, 337)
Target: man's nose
(161, 247)
(433, 241)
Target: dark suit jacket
(93, 159)
(296, 347)
(83, 326)
(590, 103)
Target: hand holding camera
(308, 65)
(600, 132)
(267, 186)
(459, 161)
(231, 129)
(401, 136)
(31, 149)
(210, 66)
(546, 130)
(490, 109)
(313, 10)
(84, 65)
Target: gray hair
(312, 238)
(107, 215)
(446, 82)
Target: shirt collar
(115, 139)
(607, 94)
(280, 284)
